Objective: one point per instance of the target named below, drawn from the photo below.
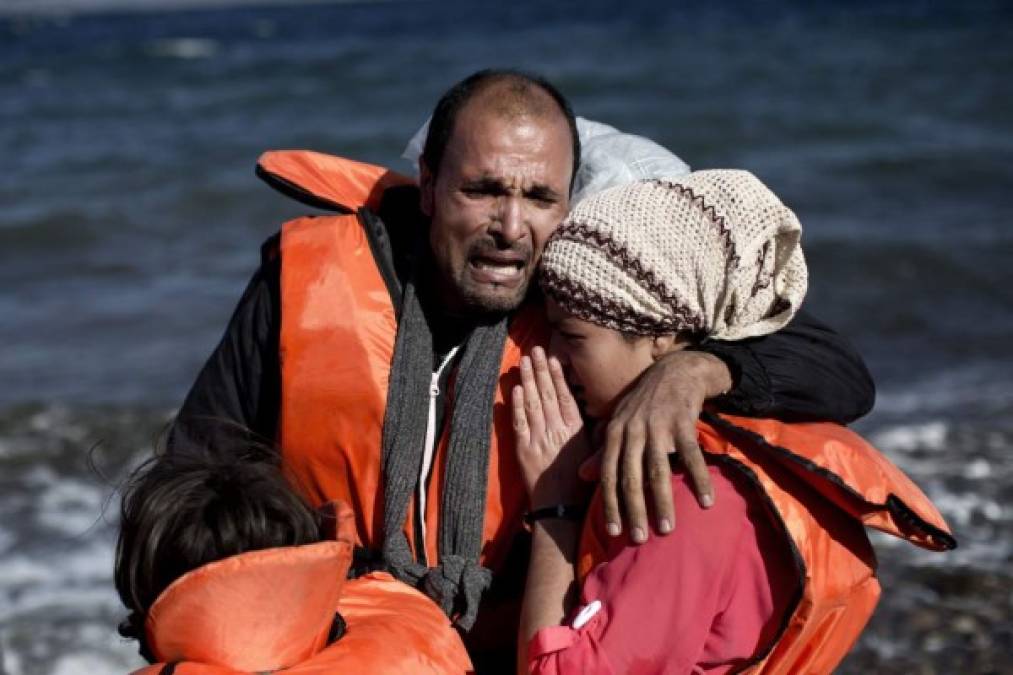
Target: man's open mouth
(505, 270)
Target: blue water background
(130, 219)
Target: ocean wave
(72, 507)
(929, 436)
(980, 388)
(966, 467)
(184, 48)
(78, 579)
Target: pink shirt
(703, 599)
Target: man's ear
(426, 186)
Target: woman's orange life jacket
(822, 484)
(337, 337)
(273, 609)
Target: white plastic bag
(609, 157)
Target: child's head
(189, 508)
(641, 269)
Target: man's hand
(656, 417)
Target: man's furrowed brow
(496, 186)
(542, 192)
(485, 184)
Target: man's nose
(510, 221)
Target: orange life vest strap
(327, 181)
(849, 471)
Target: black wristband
(564, 511)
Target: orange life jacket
(338, 329)
(273, 610)
(823, 483)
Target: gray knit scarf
(458, 581)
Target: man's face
(502, 188)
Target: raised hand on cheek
(549, 431)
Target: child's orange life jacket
(274, 609)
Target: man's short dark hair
(441, 126)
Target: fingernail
(613, 529)
(638, 535)
(707, 501)
(665, 526)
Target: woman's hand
(551, 442)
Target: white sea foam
(66, 555)
(21, 571)
(929, 436)
(70, 600)
(75, 664)
(977, 519)
(55, 418)
(186, 48)
(74, 578)
(962, 509)
(10, 663)
(71, 584)
(71, 507)
(40, 476)
(962, 467)
(85, 646)
(74, 587)
(978, 469)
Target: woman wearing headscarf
(778, 576)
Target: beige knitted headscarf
(714, 253)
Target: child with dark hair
(182, 511)
(224, 567)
